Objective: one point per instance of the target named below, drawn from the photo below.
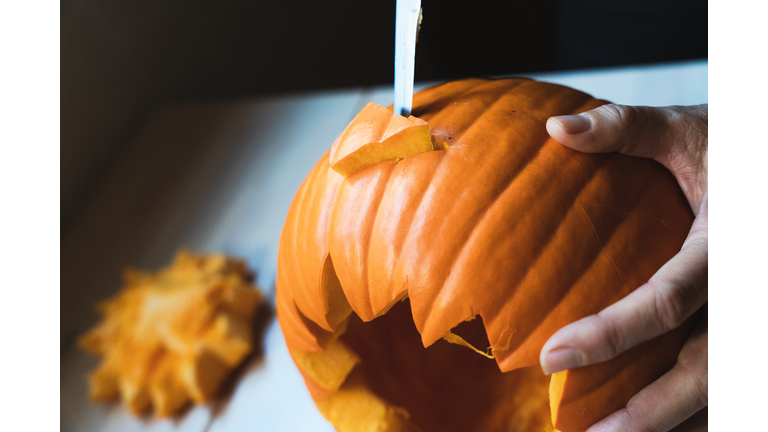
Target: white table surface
(220, 177)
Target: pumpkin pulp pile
(492, 235)
(173, 337)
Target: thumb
(636, 131)
(675, 136)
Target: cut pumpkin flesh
(377, 134)
(510, 227)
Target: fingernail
(573, 124)
(560, 360)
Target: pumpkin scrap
(498, 243)
(174, 336)
(377, 134)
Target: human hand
(677, 138)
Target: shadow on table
(255, 360)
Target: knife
(406, 26)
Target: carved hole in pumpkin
(438, 144)
(400, 297)
(472, 332)
(445, 387)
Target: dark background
(121, 59)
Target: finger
(667, 402)
(675, 292)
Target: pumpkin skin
(507, 225)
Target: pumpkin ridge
(516, 89)
(301, 255)
(301, 339)
(401, 297)
(310, 197)
(367, 240)
(435, 107)
(508, 332)
(566, 297)
(383, 192)
(628, 216)
(475, 223)
(667, 224)
(301, 209)
(286, 307)
(602, 247)
(488, 107)
(399, 212)
(297, 221)
(478, 223)
(586, 105)
(533, 115)
(589, 104)
(523, 329)
(297, 334)
(322, 336)
(303, 299)
(412, 217)
(539, 334)
(512, 174)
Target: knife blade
(406, 25)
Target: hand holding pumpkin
(677, 138)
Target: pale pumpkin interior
(444, 387)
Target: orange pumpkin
(497, 241)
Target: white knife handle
(406, 25)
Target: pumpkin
(497, 239)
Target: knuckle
(630, 420)
(672, 303)
(612, 341)
(697, 384)
(616, 122)
(635, 419)
(694, 384)
(700, 390)
(623, 116)
(623, 419)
